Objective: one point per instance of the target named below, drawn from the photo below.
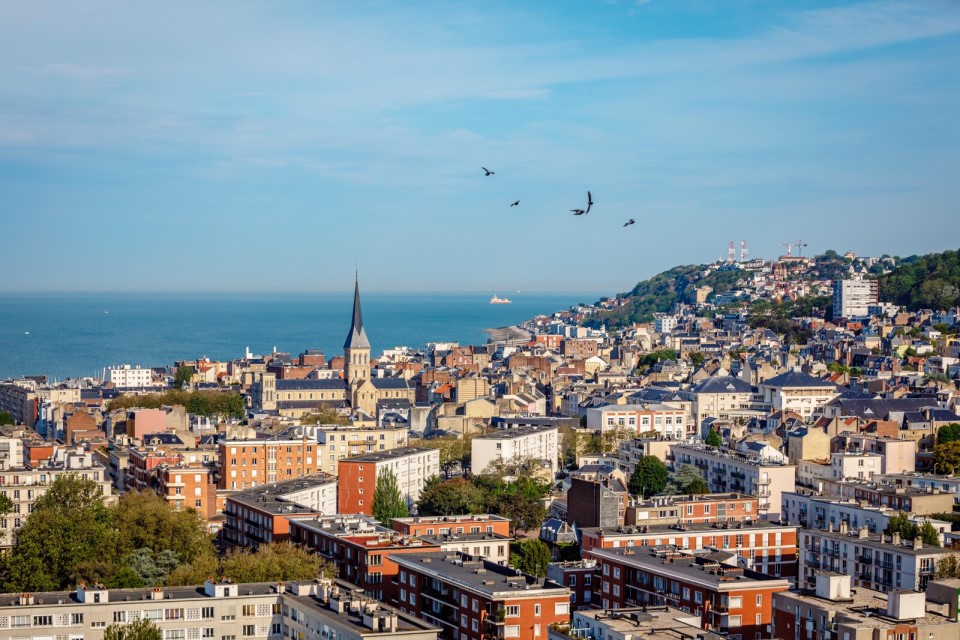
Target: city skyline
(233, 147)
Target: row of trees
(139, 540)
(220, 404)
(908, 530)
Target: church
(357, 389)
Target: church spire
(357, 338)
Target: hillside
(930, 281)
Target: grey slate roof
(357, 337)
(311, 385)
(722, 384)
(793, 379)
(390, 383)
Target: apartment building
(24, 486)
(694, 509)
(897, 456)
(723, 397)
(21, 400)
(539, 443)
(262, 515)
(358, 476)
(766, 547)
(852, 298)
(188, 485)
(798, 392)
(729, 471)
(832, 609)
(256, 460)
(905, 498)
(577, 576)
(669, 423)
(470, 599)
(220, 609)
(817, 511)
(361, 550)
(728, 598)
(338, 442)
(452, 525)
(127, 377)
(876, 561)
(661, 623)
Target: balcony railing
(867, 559)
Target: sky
(251, 146)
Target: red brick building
(728, 598)
(452, 525)
(578, 577)
(770, 547)
(360, 549)
(188, 485)
(142, 464)
(358, 476)
(249, 463)
(475, 599)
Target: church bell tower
(356, 348)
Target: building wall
(249, 463)
(531, 442)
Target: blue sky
(255, 146)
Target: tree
(144, 520)
(947, 457)
(387, 501)
(649, 477)
(327, 416)
(456, 496)
(697, 358)
(6, 506)
(900, 523)
(69, 531)
(532, 556)
(275, 562)
(929, 534)
(713, 438)
(152, 569)
(142, 629)
(948, 567)
(182, 376)
(948, 433)
(686, 478)
(6, 417)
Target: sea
(69, 335)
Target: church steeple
(356, 348)
(357, 338)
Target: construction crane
(800, 245)
(788, 245)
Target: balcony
(885, 564)
(832, 551)
(867, 559)
(927, 571)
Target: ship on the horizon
(496, 300)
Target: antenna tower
(731, 254)
(743, 251)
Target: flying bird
(486, 171)
(589, 201)
(629, 222)
(578, 212)
(515, 203)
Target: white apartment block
(411, 466)
(819, 511)
(797, 391)
(852, 298)
(722, 397)
(728, 471)
(879, 562)
(534, 442)
(24, 485)
(664, 323)
(668, 422)
(129, 377)
(221, 609)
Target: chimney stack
(918, 543)
(895, 538)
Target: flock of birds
(576, 212)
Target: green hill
(930, 281)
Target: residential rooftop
(482, 576)
(272, 497)
(392, 454)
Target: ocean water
(76, 334)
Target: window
(76, 618)
(511, 631)
(173, 614)
(175, 634)
(206, 613)
(121, 616)
(249, 630)
(208, 632)
(21, 621)
(43, 621)
(561, 608)
(572, 582)
(759, 599)
(536, 609)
